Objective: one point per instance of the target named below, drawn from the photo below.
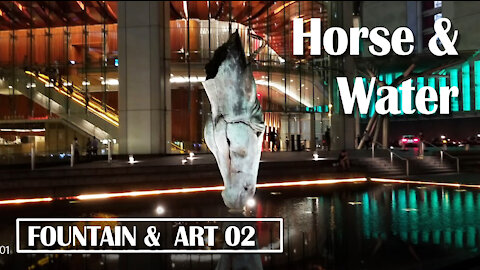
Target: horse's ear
(209, 137)
(211, 89)
(233, 48)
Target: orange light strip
(22, 201)
(312, 182)
(146, 193)
(220, 188)
(213, 188)
(441, 184)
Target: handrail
(95, 106)
(442, 152)
(392, 155)
(177, 147)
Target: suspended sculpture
(234, 133)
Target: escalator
(66, 100)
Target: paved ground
(154, 172)
(173, 160)
(176, 160)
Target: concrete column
(144, 74)
(312, 132)
(284, 134)
(342, 125)
(385, 132)
(357, 127)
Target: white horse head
(234, 133)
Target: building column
(144, 76)
(313, 142)
(357, 127)
(342, 132)
(385, 126)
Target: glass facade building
(61, 73)
(292, 90)
(59, 68)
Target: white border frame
(123, 251)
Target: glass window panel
(477, 85)
(466, 86)
(454, 82)
(420, 84)
(431, 83)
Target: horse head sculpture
(234, 133)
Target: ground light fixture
(131, 160)
(159, 210)
(251, 202)
(316, 157)
(191, 156)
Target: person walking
(94, 146)
(76, 150)
(89, 148)
(344, 160)
(421, 145)
(326, 139)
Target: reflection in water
(418, 225)
(243, 261)
(353, 227)
(453, 218)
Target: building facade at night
(131, 72)
(462, 72)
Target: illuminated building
(130, 72)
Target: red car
(409, 140)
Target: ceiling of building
(265, 17)
(37, 14)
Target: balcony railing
(74, 92)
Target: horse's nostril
(248, 187)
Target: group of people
(273, 144)
(91, 147)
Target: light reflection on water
(364, 226)
(436, 216)
(434, 227)
(427, 215)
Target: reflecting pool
(344, 226)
